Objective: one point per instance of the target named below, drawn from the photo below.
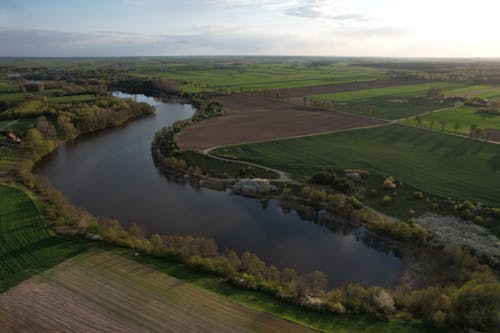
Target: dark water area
(111, 173)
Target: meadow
(27, 247)
(458, 120)
(438, 164)
(403, 101)
(258, 75)
(222, 169)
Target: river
(111, 173)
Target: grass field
(221, 169)
(258, 74)
(439, 164)
(18, 126)
(395, 102)
(26, 245)
(411, 90)
(482, 91)
(464, 117)
(137, 293)
(72, 99)
(392, 108)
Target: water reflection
(112, 174)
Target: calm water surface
(112, 174)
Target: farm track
(105, 292)
(285, 177)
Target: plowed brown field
(99, 291)
(254, 118)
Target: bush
(390, 183)
(418, 195)
(386, 200)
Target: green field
(392, 108)
(221, 169)
(258, 74)
(27, 247)
(72, 99)
(410, 90)
(389, 103)
(482, 91)
(464, 117)
(18, 126)
(438, 164)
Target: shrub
(418, 195)
(390, 183)
(386, 200)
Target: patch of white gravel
(451, 230)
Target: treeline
(477, 72)
(149, 87)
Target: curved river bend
(112, 174)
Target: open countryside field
(345, 87)
(413, 90)
(258, 74)
(26, 245)
(481, 91)
(460, 121)
(101, 291)
(435, 163)
(115, 291)
(253, 118)
(393, 102)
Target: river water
(111, 173)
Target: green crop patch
(439, 164)
(26, 245)
(465, 120)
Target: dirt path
(283, 176)
(100, 291)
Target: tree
(313, 284)
(272, 274)
(477, 132)
(434, 93)
(472, 130)
(252, 264)
(476, 305)
(45, 127)
(156, 243)
(442, 122)
(65, 127)
(304, 99)
(136, 231)
(419, 121)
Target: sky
(362, 28)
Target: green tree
(252, 264)
(473, 128)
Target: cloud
(314, 9)
(46, 43)
(377, 32)
(310, 9)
